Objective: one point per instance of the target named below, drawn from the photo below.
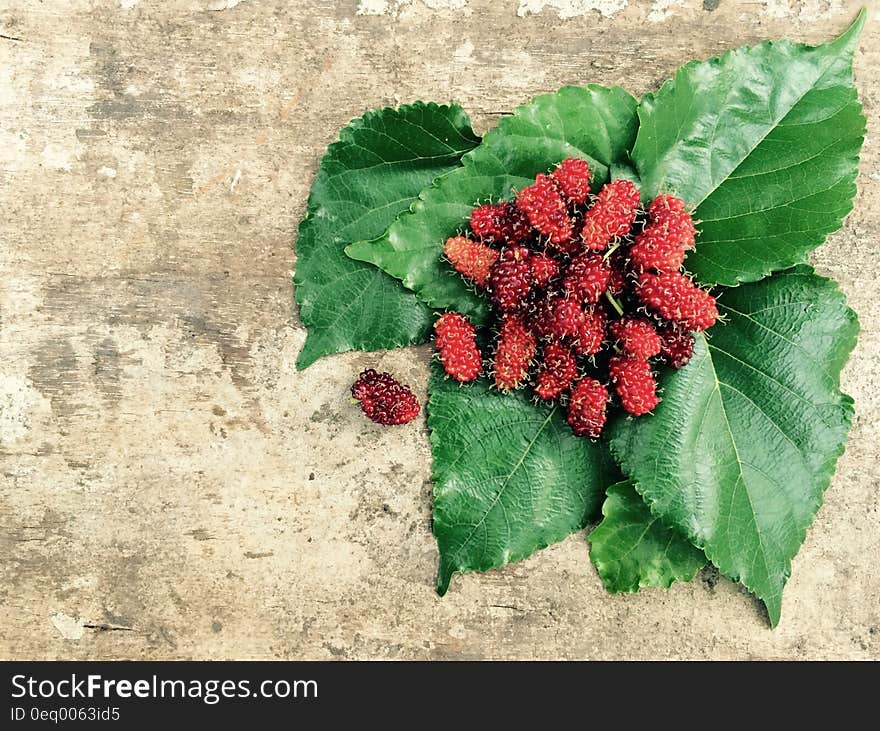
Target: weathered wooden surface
(170, 487)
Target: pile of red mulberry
(588, 294)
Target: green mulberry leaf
(764, 143)
(509, 476)
(631, 548)
(369, 176)
(592, 122)
(742, 447)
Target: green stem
(614, 303)
(611, 249)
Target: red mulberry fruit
(678, 346)
(548, 261)
(591, 336)
(672, 211)
(471, 259)
(457, 345)
(572, 179)
(560, 317)
(383, 399)
(514, 353)
(557, 371)
(586, 408)
(637, 337)
(586, 278)
(677, 299)
(502, 223)
(611, 216)
(515, 226)
(664, 243)
(634, 383)
(486, 220)
(544, 269)
(510, 280)
(546, 210)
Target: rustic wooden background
(170, 487)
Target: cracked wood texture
(170, 487)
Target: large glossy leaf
(764, 143)
(369, 176)
(592, 122)
(509, 476)
(740, 450)
(631, 548)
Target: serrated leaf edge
(846, 403)
(649, 98)
(344, 139)
(601, 566)
(446, 570)
(357, 249)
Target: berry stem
(611, 249)
(614, 303)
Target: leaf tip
(444, 576)
(306, 355)
(774, 609)
(357, 251)
(851, 35)
(861, 18)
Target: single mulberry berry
(544, 269)
(672, 211)
(655, 249)
(591, 336)
(586, 408)
(678, 346)
(510, 279)
(485, 220)
(502, 223)
(677, 299)
(457, 345)
(637, 337)
(559, 317)
(634, 383)
(668, 235)
(514, 353)
(385, 400)
(611, 216)
(515, 226)
(471, 259)
(586, 278)
(546, 210)
(572, 179)
(557, 371)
